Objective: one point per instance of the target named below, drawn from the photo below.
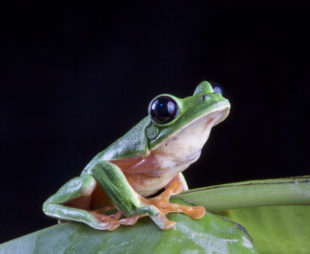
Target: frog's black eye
(163, 109)
(217, 88)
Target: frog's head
(183, 124)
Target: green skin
(140, 141)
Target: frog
(123, 183)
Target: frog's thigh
(76, 188)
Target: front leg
(114, 183)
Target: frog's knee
(88, 185)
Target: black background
(80, 76)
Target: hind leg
(79, 188)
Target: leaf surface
(211, 234)
(276, 213)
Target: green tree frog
(112, 189)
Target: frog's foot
(130, 220)
(127, 220)
(105, 222)
(113, 221)
(161, 202)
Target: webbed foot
(161, 202)
(113, 221)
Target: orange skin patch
(95, 201)
(137, 165)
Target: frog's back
(133, 143)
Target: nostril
(217, 88)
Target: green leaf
(276, 229)
(211, 234)
(276, 213)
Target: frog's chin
(193, 156)
(218, 114)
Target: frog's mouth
(217, 115)
(205, 122)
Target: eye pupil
(163, 109)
